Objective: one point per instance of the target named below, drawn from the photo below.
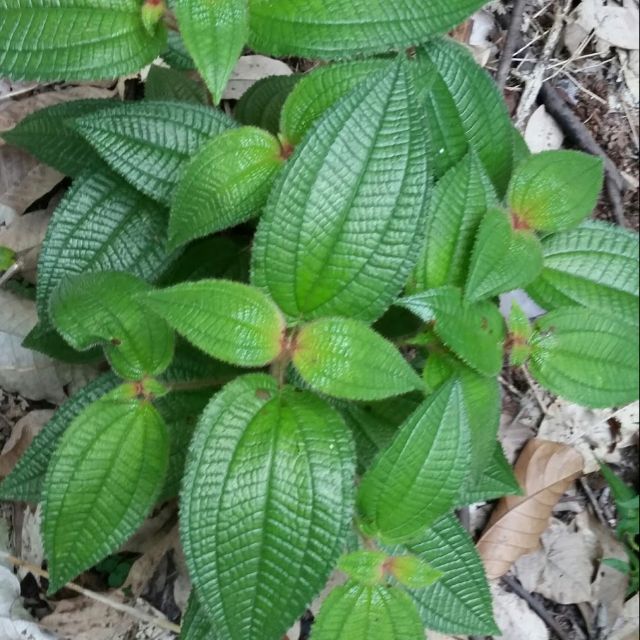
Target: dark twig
(513, 36)
(578, 133)
(536, 605)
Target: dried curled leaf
(545, 470)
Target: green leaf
(520, 333)
(503, 258)
(595, 266)
(555, 190)
(412, 572)
(364, 567)
(214, 33)
(364, 161)
(474, 332)
(75, 39)
(458, 203)
(318, 91)
(230, 321)
(464, 110)
(7, 258)
(25, 482)
(496, 480)
(48, 134)
(261, 105)
(101, 483)
(176, 54)
(103, 308)
(172, 84)
(180, 412)
(333, 29)
(586, 357)
(226, 183)
(149, 143)
(344, 358)
(361, 612)
(119, 229)
(195, 623)
(266, 504)
(418, 478)
(460, 602)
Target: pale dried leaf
(617, 26)
(545, 470)
(31, 374)
(28, 538)
(590, 430)
(22, 435)
(249, 70)
(514, 617)
(631, 69)
(628, 625)
(542, 132)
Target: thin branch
(12, 271)
(584, 485)
(513, 35)
(118, 606)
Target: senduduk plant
(320, 389)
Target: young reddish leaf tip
(518, 223)
(152, 12)
(286, 150)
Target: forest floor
(570, 76)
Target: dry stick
(594, 502)
(513, 35)
(130, 611)
(578, 133)
(13, 270)
(519, 590)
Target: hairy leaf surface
(475, 332)
(226, 183)
(48, 134)
(458, 202)
(588, 358)
(361, 612)
(25, 482)
(344, 358)
(460, 602)
(75, 39)
(230, 321)
(172, 84)
(101, 483)
(214, 33)
(418, 478)
(104, 309)
(334, 29)
(338, 236)
(319, 90)
(595, 266)
(149, 143)
(261, 105)
(266, 503)
(503, 258)
(464, 110)
(555, 190)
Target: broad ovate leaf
(101, 483)
(261, 105)
(555, 190)
(595, 266)
(266, 504)
(334, 29)
(76, 39)
(150, 143)
(226, 183)
(319, 90)
(104, 309)
(165, 84)
(48, 134)
(338, 236)
(503, 258)
(460, 601)
(362, 612)
(474, 332)
(464, 110)
(586, 357)
(457, 205)
(230, 321)
(345, 358)
(417, 479)
(195, 624)
(25, 482)
(214, 32)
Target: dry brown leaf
(22, 435)
(514, 617)
(545, 470)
